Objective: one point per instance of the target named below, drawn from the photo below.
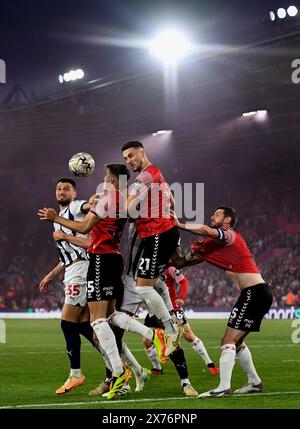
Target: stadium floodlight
(292, 11)
(80, 73)
(249, 113)
(272, 15)
(263, 112)
(170, 46)
(67, 77)
(162, 132)
(259, 114)
(281, 13)
(71, 75)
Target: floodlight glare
(272, 15)
(67, 77)
(292, 11)
(281, 13)
(73, 75)
(79, 73)
(170, 46)
(249, 113)
(259, 114)
(162, 132)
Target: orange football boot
(70, 384)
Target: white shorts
(131, 299)
(75, 283)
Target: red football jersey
(106, 234)
(230, 253)
(172, 278)
(154, 197)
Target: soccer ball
(82, 164)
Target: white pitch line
(291, 360)
(65, 404)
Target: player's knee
(229, 339)
(188, 336)
(98, 322)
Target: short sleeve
(105, 205)
(76, 207)
(226, 235)
(141, 185)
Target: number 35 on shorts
(73, 290)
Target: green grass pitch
(33, 363)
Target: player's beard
(64, 202)
(216, 225)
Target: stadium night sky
(42, 38)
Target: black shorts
(104, 277)
(153, 322)
(153, 254)
(249, 310)
(181, 316)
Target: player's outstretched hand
(92, 200)
(47, 214)
(179, 302)
(43, 286)
(59, 235)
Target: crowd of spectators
(209, 286)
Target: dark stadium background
(252, 166)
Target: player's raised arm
(43, 286)
(87, 206)
(84, 226)
(199, 229)
(183, 283)
(83, 242)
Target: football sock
(108, 342)
(86, 330)
(199, 347)
(227, 361)
(153, 356)
(108, 366)
(118, 332)
(129, 324)
(130, 360)
(73, 342)
(244, 356)
(185, 381)
(163, 291)
(108, 373)
(76, 373)
(178, 359)
(156, 305)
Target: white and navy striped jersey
(69, 252)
